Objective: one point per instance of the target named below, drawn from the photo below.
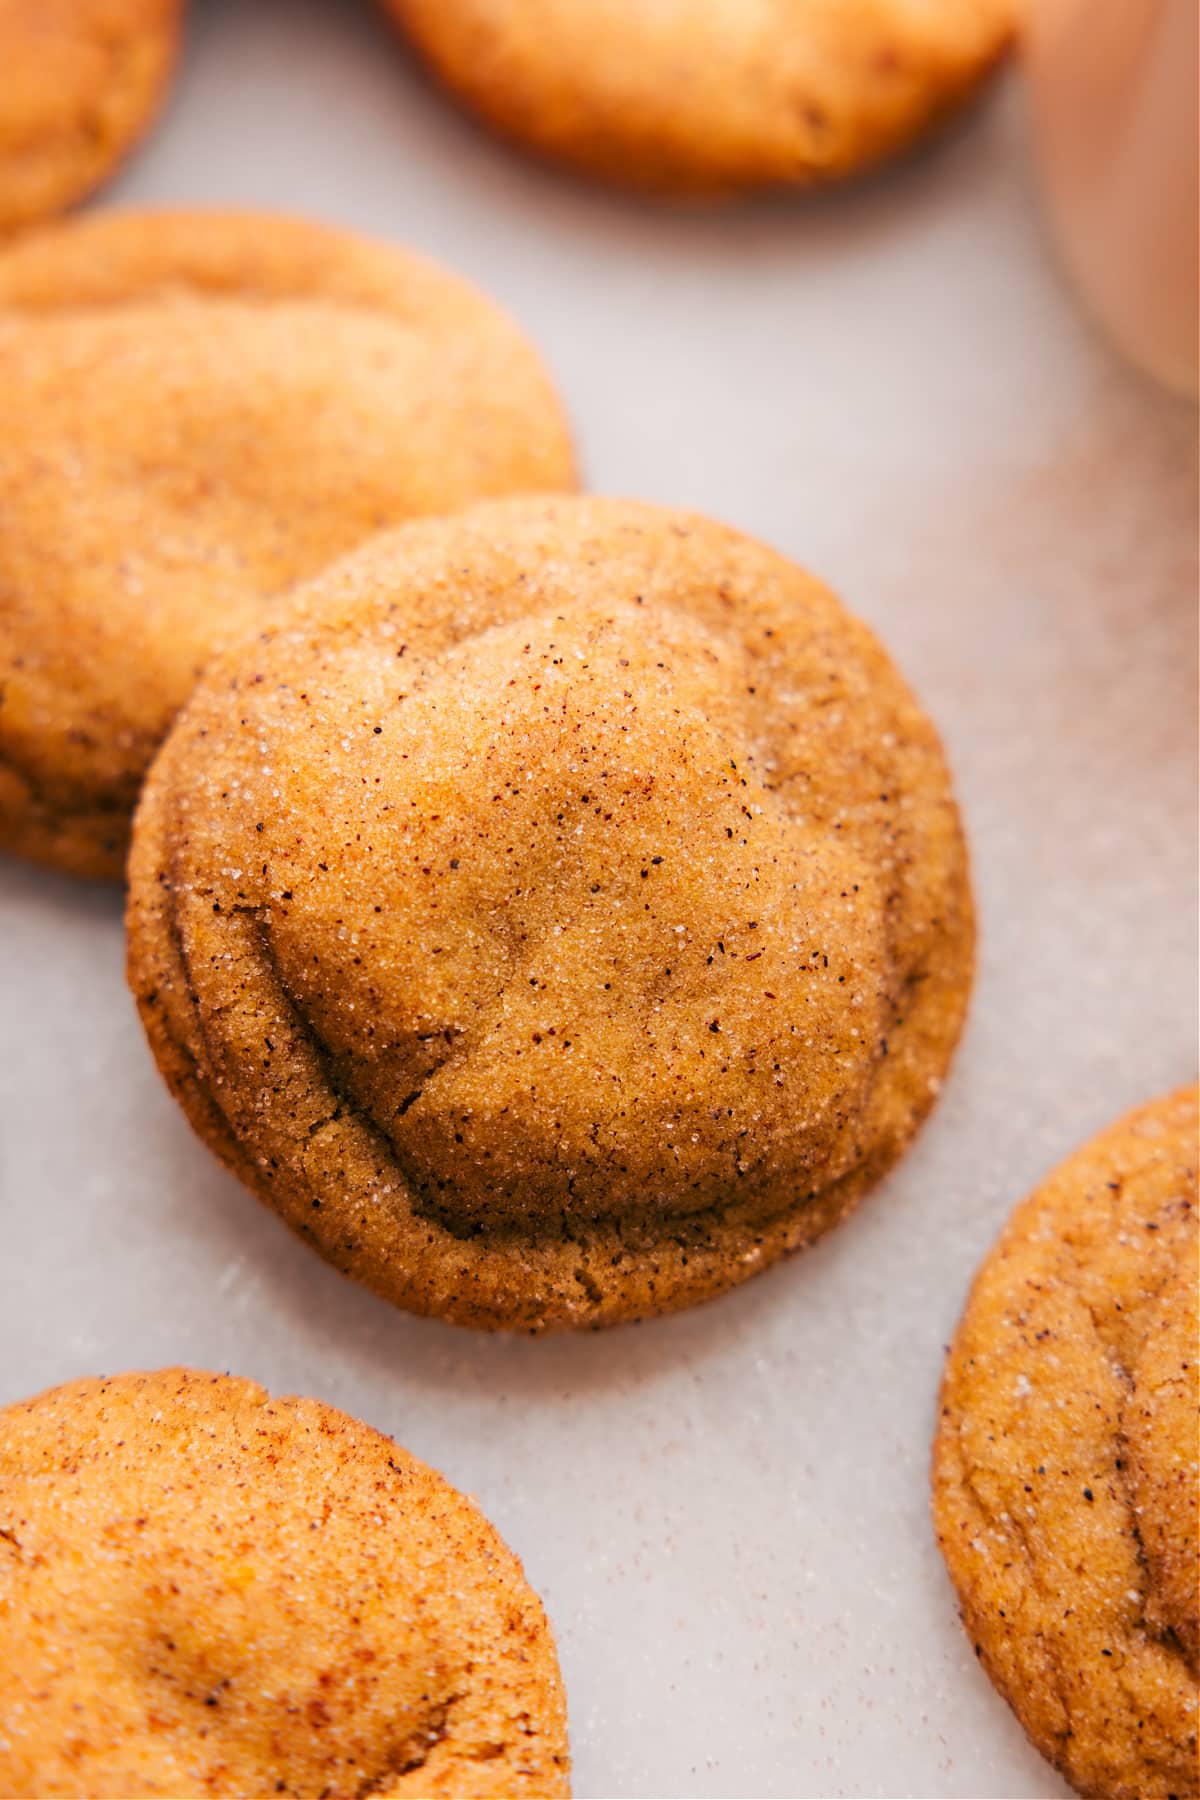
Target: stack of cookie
(555, 908)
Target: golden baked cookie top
(196, 411)
(80, 81)
(205, 1590)
(1065, 1478)
(713, 96)
(557, 915)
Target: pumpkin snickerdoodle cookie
(198, 410)
(557, 915)
(704, 98)
(80, 81)
(205, 1590)
(1065, 1466)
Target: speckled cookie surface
(197, 411)
(559, 917)
(1065, 1467)
(704, 98)
(80, 81)
(208, 1591)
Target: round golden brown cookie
(1065, 1481)
(204, 1590)
(702, 98)
(198, 410)
(558, 916)
(80, 81)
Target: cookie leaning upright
(1065, 1485)
(206, 1590)
(80, 82)
(559, 915)
(715, 96)
(198, 410)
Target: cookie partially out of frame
(80, 82)
(206, 1590)
(714, 96)
(558, 915)
(1065, 1479)
(198, 410)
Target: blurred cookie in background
(196, 411)
(705, 98)
(80, 82)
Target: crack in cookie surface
(570, 882)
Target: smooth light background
(726, 1512)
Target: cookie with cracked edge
(558, 916)
(197, 411)
(81, 81)
(207, 1590)
(714, 97)
(1065, 1489)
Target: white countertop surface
(725, 1512)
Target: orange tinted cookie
(1065, 1467)
(204, 1590)
(196, 411)
(557, 916)
(80, 81)
(712, 96)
